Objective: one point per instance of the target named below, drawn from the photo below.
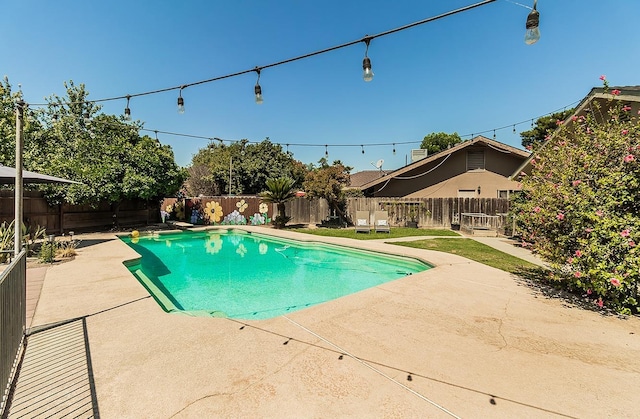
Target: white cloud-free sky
(468, 73)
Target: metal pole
(230, 159)
(18, 186)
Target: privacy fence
(426, 212)
(67, 217)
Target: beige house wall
(489, 184)
(443, 178)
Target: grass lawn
(395, 233)
(474, 250)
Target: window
(475, 160)
(467, 193)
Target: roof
(476, 140)
(8, 176)
(627, 94)
(360, 178)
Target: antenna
(378, 164)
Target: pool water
(245, 275)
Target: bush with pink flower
(580, 209)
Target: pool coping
(166, 303)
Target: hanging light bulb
(367, 74)
(532, 35)
(258, 89)
(494, 134)
(362, 148)
(180, 102)
(394, 149)
(127, 111)
(86, 117)
(326, 151)
(514, 128)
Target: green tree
(279, 191)
(580, 209)
(438, 141)
(544, 127)
(101, 151)
(251, 166)
(328, 182)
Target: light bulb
(180, 105)
(367, 74)
(127, 114)
(532, 35)
(258, 91)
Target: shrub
(581, 211)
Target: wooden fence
(67, 217)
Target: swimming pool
(243, 275)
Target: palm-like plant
(279, 191)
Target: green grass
(395, 233)
(474, 250)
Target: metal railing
(12, 320)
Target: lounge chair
(381, 222)
(363, 225)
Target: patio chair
(363, 225)
(381, 222)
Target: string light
(494, 134)
(514, 128)
(258, 89)
(367, 73)
(127, 111)
(180, 102)
(362, 145)
(394, 149)
(532, 34)
(326, 151)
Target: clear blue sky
(466, 73)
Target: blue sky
(466, 73)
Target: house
(360, 178)
(597, 102)
(478, 168)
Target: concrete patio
(461, 340)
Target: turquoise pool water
(254, 276)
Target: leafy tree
(545, 126)
(279, 191)
(251, 166)
(328, 182)
(581, 211)
(438, 141)
(103, 152)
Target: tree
(438, 141)
(580, 209)
(251, 166)
(545, 126)
(328, 182)
(101, 151)
(279, 191)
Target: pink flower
(536, 209)
(629, 158)
(625, 131)
(577, 274)
(562, 143)
(529, 147)
(569, 259)
(574, 118)
(558, 122)
(615, 92)
(576, 182)
(599, 213)
(523, 174)
(632, 243)
(625, 233)
(600, 303)
(615, 282)
(603, 77)
(588, 230)
(578, 253)
(589, 292)
(560, 216)
(533, 162)
(626, 108)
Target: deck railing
(12, 321)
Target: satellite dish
(379, 163)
